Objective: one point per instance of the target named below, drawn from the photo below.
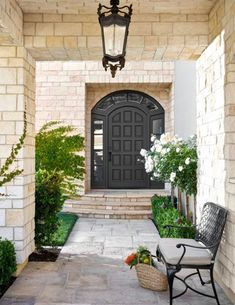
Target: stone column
(216, 131)
(210, 124)
(227, 253)
(17, 94)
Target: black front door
(122, 124)
(127, 135)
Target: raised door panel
(128, 133)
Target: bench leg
(213, 286)
(170, 276)
(158, 255)
(200, 277)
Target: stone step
(122, 196)
(109, 205)
(146, 203)
(114, 199)
(110, 214)
(124, 204)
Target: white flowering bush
(173, 160)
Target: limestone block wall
(216, 130)
(17, 94)
(151, 36)
(67, 91)
(228, 265)
(210, 124)
(11, 23)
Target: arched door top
(128, 97)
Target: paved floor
(90, 270)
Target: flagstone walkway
(90, 270)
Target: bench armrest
(195, 247)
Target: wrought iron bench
(198, 253)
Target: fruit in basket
(146, 261)
(143, 256)
(130, 259)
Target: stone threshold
(128, 193)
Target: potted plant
(148, 273)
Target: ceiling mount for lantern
(114, 22)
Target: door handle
(110, 156)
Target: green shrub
(49, 201)
(7, 261)
(57, 149)
(165, 214)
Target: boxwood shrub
(49, 199)
(7, 261)
(164, 213)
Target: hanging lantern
(114, 22)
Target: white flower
(164, 151)
(158, 148)
(172, 177)
(149, 164)
(156, 159)
(187, 161)
(168, 149)
(155, 174)
(153, 138)
(180, 168)
(177, 150)
(143, 152)
(152, 148)
(165, 138)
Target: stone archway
(95, 92)
(122, 124)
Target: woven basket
(151, 278)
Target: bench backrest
(211, 226)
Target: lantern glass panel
(114, 37)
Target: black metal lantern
(114, 22)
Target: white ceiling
(139, 6)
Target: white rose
(155, 159)
(177, 150)
(153, 138)
(165, 138)
(180, 168)
(164, 151)
(152, 148)
(143, 152)
(187, 161)
(172, 176)
(149, 164)
(158, 148)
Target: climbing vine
(6, 173)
